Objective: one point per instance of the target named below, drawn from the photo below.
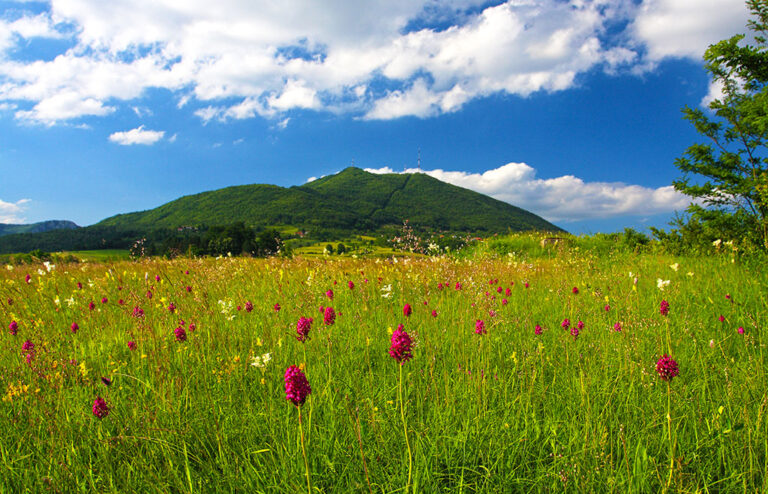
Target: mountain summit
(352, 199)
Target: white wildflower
(674, 266)
(227, 308)
(386, 291)
(661, 284)
(261, 361)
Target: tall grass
(503, 412)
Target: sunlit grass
(501, 412)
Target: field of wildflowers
(575, 373)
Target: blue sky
(568, 108)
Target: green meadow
(580, 408)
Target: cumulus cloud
(685, 28)
(137, 136)
(375, 60)
(11, 212)
(26, 27)
(561, 199)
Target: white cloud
(561, 199)
(715, 92)
(63, 106)
(685, 28)
(10, 212)
(25, 27)
(255, 58)
(137, 136)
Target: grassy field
(581, 409)
(99, 255)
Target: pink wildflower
(181, 335)
(617, 327)
(538, 330)
(434, 313)
(458, 285)
(104, 300)
(297, 387)
(351, 285)
(721, 318)
(664, 308)
(171, 308)
(131, 345)
(13, 328)
(508, 292)
(74, 327)
(138, 312)
(329, 294)
(248, 306)
(566, 323)
(329, 316)
(91, 306)
(607, 308)
(400, 348)
(28, 279)
(277, 307)
(667, 368)
(407, 310)
(575, 291)
(480, 327)
(100, 407)
(740, 330)
(302, 328)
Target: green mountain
(43, 226)
(352, 200)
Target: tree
(341, 248)
(732, 199)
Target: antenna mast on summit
(418, 161)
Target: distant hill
(352, 200)
(43, 226)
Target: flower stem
(669, 435)
(405, 428)
(304, 453)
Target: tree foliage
(728, 175)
